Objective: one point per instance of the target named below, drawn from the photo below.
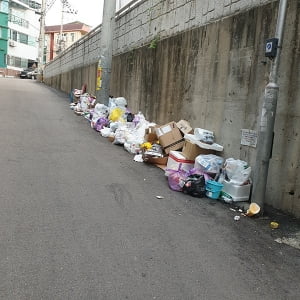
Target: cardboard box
(170, 137)
(177, 159)
(155, 160)
(184, 126)
(150, 135)
(191, 150)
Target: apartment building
(59, 38)
(20, 35)
(3, 34)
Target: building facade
(59, 38)
(19, 35)
(3, 34)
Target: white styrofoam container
(175, 159)
(237, 192)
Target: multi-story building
(71, 32)
(3, 34)
(20, 34)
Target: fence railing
(19, 21)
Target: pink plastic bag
(176, 179)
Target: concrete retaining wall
(142, 21)
(214, 76)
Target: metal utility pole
(268, 114)
(105, 55)
(65, 8)
(61, 27)
(42, 36)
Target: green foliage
(154, 43)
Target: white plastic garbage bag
(100, 111)
(237, 171)
(106, 132)
(121, 102)
(117, 102)
(120, 134)
(84, 101)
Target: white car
(32, 74)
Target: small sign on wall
(249, 138)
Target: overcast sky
(89, 12)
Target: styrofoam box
(237, 192)
(175, 159)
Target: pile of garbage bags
(190, 157)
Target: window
(31, 41)
(2, 33)
(13, 35)
(24, 63)
(72, 37)
(4, 6)
(23, 38)
(17, 61)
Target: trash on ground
(175, 159)
(274, 225)
(213, 189)
(190, 157)
(237, 218)
(138, 158)
(194, 185)
(253, 210)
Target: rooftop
(74, 26)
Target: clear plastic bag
(203, 135)
(209, 163)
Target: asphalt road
(80, 220)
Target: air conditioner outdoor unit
(12, 44)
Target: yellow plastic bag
(116, 114)
(146, 145)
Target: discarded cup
(254, 209)
(274, 225)
(236, 218)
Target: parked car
(23, 73)
(29, 73)
(32, 74)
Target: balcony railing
(19, 21)
(31, 4)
